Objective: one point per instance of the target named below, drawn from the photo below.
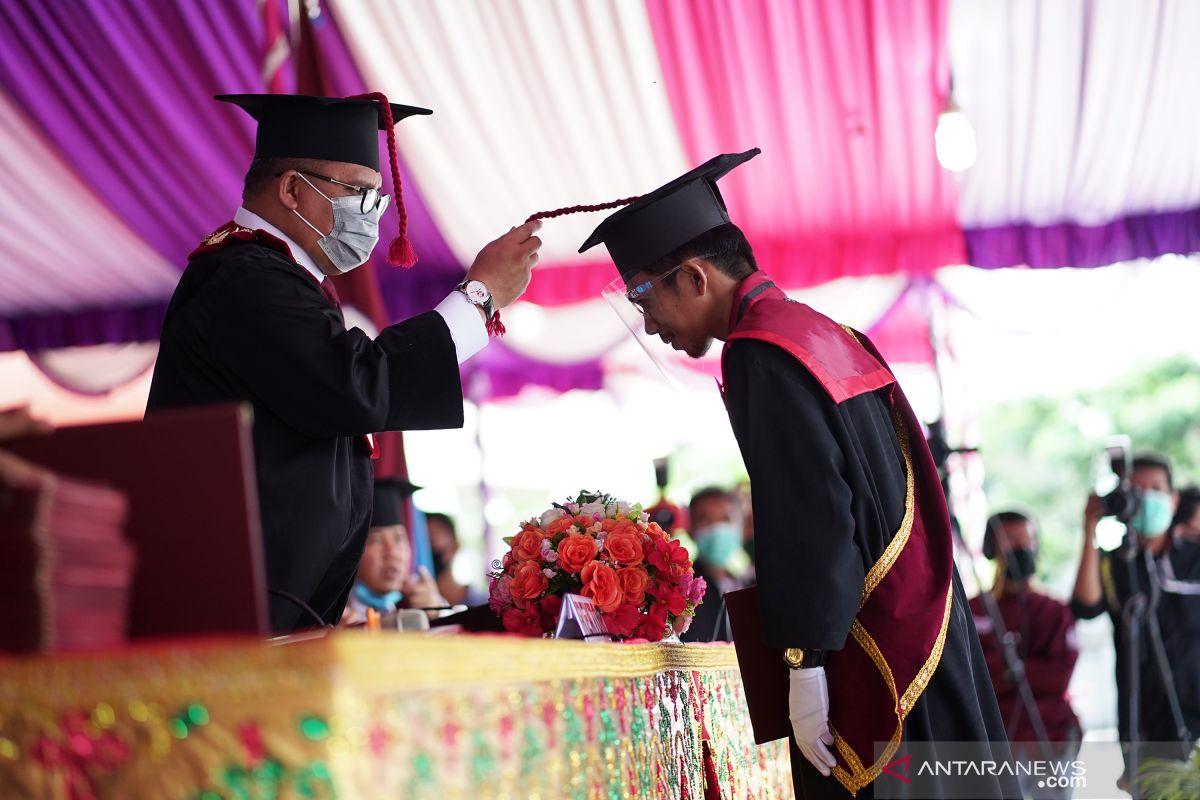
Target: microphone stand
(1139, 616)
(1013, 662)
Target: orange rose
(607, 524)
(654, 530)
(633, 584)
(561, 525)
(624, 544)
(527, 545)
(600, 583)
(528, 582)
(575, 552)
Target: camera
(1124, 501)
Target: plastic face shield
(632, 303)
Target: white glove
(808, 709)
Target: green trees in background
(1045, 453)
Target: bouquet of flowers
(597, 546)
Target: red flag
(358, 288)
(276, 47)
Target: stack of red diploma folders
(66, 568)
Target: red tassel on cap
(494, 326)
(400, 251)
(562, 212)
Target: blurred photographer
(1042, 630)
(1150, 615)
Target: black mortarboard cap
(332, 129)
(668, 217)
(324, 128)
(387, 502)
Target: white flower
(545, 546)
(644, 516)
(591, 509)
(572, 508)
(551, 557)
(623, 508)
(549, 573)
(550, 516)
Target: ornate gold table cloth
(357, 715)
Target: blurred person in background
(720, 559)
(1043, 632)
(443, 543)
(746, 509)
(385, 579)
(1185, 526)
(1107, 580)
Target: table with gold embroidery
(356, 715)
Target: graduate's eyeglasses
(640, 293)
(371, 198)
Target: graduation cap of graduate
(342, 129)
(667, 218)
(387, 502)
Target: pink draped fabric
(843, 99)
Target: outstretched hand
(505, 265)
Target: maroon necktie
(330, 292)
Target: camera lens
(1121, 503)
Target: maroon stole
(231, 231)
(896, 639)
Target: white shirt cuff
(465, 323)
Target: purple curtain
(1073, 245)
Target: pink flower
(696, 589)
(500, 594)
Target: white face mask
(355, 232)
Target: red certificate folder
(764, 672)
(193, 513)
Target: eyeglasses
(371, 198)
(639, 293)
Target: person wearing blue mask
(256, 319)
(1106, 582)
(386, 580)
(720, 560)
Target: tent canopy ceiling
(1089, 142)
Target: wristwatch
(799, 658)
(478, 295)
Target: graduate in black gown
(856, 583)
(255, 318)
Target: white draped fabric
(538, 104)
(96, 370)
(1083, 111)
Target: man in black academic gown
(255, 318)
(856, 584)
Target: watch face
(477, 293)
